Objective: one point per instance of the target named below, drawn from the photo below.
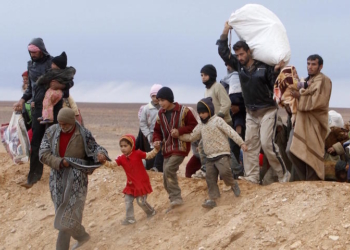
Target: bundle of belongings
(286, 81)
(263, 31)
(15, 139)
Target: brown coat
(311, 125)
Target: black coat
(257, 85)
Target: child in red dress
(137, 184)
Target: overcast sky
(120, 48)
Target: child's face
(154, 99)
(54, 66)
(205, 77)
(125, 148)
(203, 116)
(164, 104)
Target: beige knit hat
(66, 115)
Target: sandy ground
(280, 216)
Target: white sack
(335, 119)
(263, 31)
(15, 139)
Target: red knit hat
(25, 73)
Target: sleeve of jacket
(225, 53)
(194, 136)
(316, 96)
(143, 122)
(230, 132)
(45, 151)
(271, 76)
(190, 123)
(157, 133)
(66, 90)
(224, 99)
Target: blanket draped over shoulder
(63, 76)
(287, 80)
(68, 186)
(311, 125)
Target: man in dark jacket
(257, 81)
(39, 64)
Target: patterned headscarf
(287, 80)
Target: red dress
(137, 183)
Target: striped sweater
(181, 119)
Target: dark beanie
(166, 93)
(205, 105)
(340, 166)
(209, 70)
(61, 60)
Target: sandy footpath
(280, 216)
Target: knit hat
(61, 60)
(209, 70)
(25, 73)
(205, 105)
(66, 115)
(340, 166)
(166, 93)
(154, 89)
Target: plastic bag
(15, 139)
(335, 119)
(263, 31)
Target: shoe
(152, 214)
(209, 204)
(46, 121)
(285, 177)
(236, 190)
(199, 175)
(236, 176)
(129, 221)
(81, 242)
(176, 203)
(27, 185)
(40, 119)
(154, 169)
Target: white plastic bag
(15, 139)
(335, 119)
(263, 31)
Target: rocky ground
(303, 215)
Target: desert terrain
(301, 215)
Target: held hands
(175, 133)
(244, 147)
(101, 158)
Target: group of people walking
(237, 115)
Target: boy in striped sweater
(173, 121)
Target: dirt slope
(280, 216)
(289, 216)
